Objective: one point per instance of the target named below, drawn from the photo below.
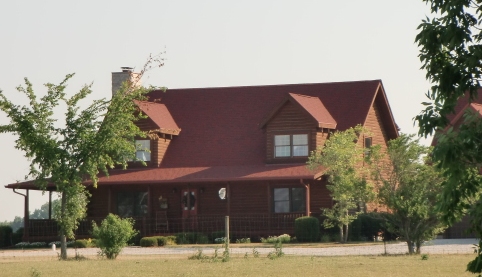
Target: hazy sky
(207, 44)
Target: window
(289, 200)
(368, 144)
(131, 204)
(143, 148)
(291, 145)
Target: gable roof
(160, 116)
(221, 126)
(221, 136)
(312, 106)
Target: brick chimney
(127, 74)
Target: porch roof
(210, 174)
(198, 174)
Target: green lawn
(294, 266)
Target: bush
(169, 240)
(31, 245)
(17, 236)
(243, 240)
(367, 226)
(113, 234)
(84, 243)
(215, 235)
(149, 242)
(5, 236)
(191, 238)
(285, 238)
(307, 229)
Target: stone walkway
(438, 246)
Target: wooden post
(226, 230)
(307, 197)
(109, 200)
(308, 208)
(50, 204)
(228, 196)
(26, 224)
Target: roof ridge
(276, 85)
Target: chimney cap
(127, 69)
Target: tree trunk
(418, 245)
(63, 239)
(410, 247)
(341, 233)
(345, 239)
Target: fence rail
(256, 225)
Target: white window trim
(143, 150)
(291, 145)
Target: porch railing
(254, 226)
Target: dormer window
(143, 148)
(295, 145)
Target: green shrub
(243, 240)
(17, 236)
(5, 236)
(285, 238)
(191, 238)
(84, 243)
(367, 226)
(169, 240)
(113, 234)
(307, 229)
(215, 235)
(149, 242)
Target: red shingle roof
(211, 174)
(315, 109)
(160, 115)
(221, 137)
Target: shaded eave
(311, 106)
(160, 116)
(214, 174)
(388, 120)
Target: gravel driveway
(438, 246)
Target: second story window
(368, 144)
(143, 148)
(291, 145)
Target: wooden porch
(252, 226)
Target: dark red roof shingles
(221, 137)
(160, 115)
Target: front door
(189, 202)
(189, 206)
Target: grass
(435, 265)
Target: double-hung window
(143, 148)
(288, 200)
(295, 145)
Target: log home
(236, 151)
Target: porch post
(26, 218)
(228, 196)
(109, 199)
(149, 201)
(307, 197)
(50, 204)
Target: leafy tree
(342, 157)
(91, 140)
(113, 234)
(451, 53)
(43, 212)
(409, 186)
